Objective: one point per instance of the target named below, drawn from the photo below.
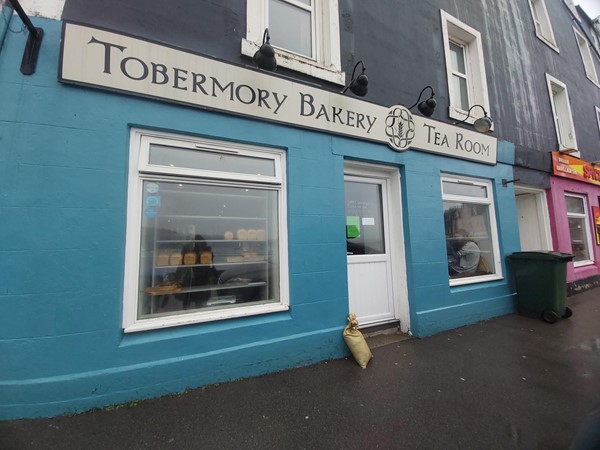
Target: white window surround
(598, 117)
(327, 65)
(561, 112)
(456, 31)
(487, 201)
(571, 5)
(140, 170)
(585, 219)
(586, 57)
(541, 23)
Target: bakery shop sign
(108, 60)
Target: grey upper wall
(400, 42)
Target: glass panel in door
(364, 219)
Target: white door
(376, 287)
(532, 213)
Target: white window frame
(462, 34)
(489, 201)
(140, 170)
(465, 75)
(542, 24)
(571, 5)
(586, 220)
(598, 117)
(561, 114)
(327, 64)
(586, 57)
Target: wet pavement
(510, 382)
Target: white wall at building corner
(51, 9)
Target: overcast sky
(591, 7)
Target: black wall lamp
(426, 106)
(358, 85)
(34, 41)
(264, 58)
(483, 124)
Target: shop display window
(470, 227)
(204, 234)
(579, 229)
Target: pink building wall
(559, 224)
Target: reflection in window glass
(206, 247)
(575, 205)
(457, 188)
(364, 219)
(290, 26)
(458, 58)
(460, 97)
(185, 158)
(578, 228)
(460, 88)
(470, 239)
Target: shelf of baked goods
(216, 264)
(176, 259)
(188, 235)
(175, 288)
(220, 218)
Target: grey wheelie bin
(541, 283)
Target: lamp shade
(427, 107)
(264, 58)
(360, 85)
(483, 124)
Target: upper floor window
(561, 110)
(598, 116)
(293, 22)
(467, 84)
(586, 56)
(304, 33)
(541, 21)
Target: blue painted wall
(63, 201)
(434, 305)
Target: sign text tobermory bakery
(113, 61)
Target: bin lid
(543, 256)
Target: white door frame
(542, 211)
(393, 206)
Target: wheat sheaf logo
(399, 127)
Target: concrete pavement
(510, 382)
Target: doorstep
(383, 334)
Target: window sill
(300, 64)
(596, 82)
(548, 43)
(586, 263)
(474, 280)
(201, 317)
